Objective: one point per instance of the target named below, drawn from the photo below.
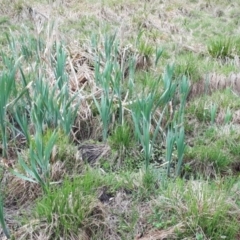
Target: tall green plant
(221, 47)
(107, 78)
(176, 132)
(144, 109)
(170, 140)
(53, 107)
(37, 170)
(20, 115)
(60, 73)
(180, 143)
(116, 82)
(179, 127)
(7, 84)
(104, 109)
(142, 114)
(31, 46)
(158, 54)
(184, 91)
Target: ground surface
(96, 184)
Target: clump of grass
(214, 151)
(67, 209)
(146, 51)
(205, 110)
(74, 206)
(121, 137)
(203, 209)
(221, 47)
(65, 148)
(201, 112)
(188, 65)
(122, 140)
(211, 155)
(4, 20)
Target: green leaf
(23, 177)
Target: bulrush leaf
(38, 168)
(7, 84)
(180, 142)
(2, 220)
(169, 148)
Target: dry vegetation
(119, 119)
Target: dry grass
(213, 82)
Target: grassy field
(119, 120)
